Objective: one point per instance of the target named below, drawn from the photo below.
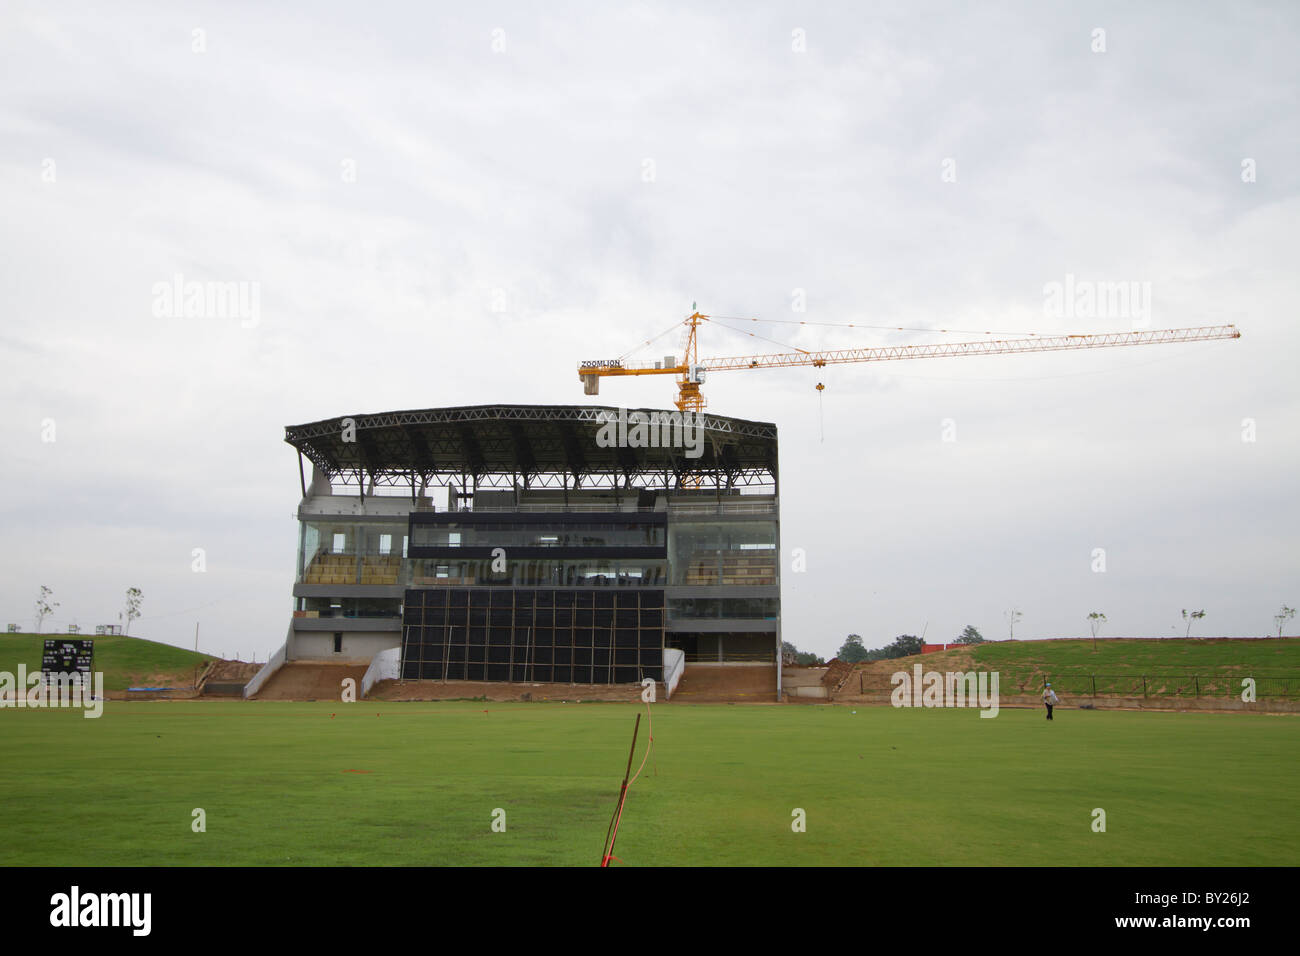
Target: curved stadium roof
(539, 446)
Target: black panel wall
(537, 635)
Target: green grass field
(1218, 664)
(1130, 655)
(879, 786)
(124, 661)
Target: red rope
(612, 835)
(649, 746)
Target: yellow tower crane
(691, 372)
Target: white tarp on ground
(386, 665)
(674, 666)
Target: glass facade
(537, 572)
(764, 609)
(734, 646)
(720, 552)
(537, 533)
(349, 607)
(334, 551)
(712, 551)
(676, 567)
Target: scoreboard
(69, 657)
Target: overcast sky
(441, 206)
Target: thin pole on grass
(612, 833)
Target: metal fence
(1174, 685)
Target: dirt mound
(226, 678)
(303, 680)
(837, 672)
(747, 683)
(233, 670)
(870, 679)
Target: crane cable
(763, 337)
(836, 325)
(649, 745)
(649, 341)
(855, 325)
(821, 412)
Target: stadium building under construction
(538, 543)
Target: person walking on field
(1050, 699)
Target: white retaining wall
(269, 668)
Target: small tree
(133, 599)
(1282, 616)
(44, 606)
(1189, 617)
(1012, 617)
(791, 656)
(905, 645)
(1095, 620)
(970, 636)
(852, 650)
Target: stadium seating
(328, 568)
(730, 568)
(380, 569)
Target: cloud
(433, 223)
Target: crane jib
(693, 371)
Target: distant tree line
(853, 650)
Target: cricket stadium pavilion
(537, 543)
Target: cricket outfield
(417, 783)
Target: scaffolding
(533, 635)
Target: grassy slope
(1067, 662)
(879, 786)
(125, 661)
